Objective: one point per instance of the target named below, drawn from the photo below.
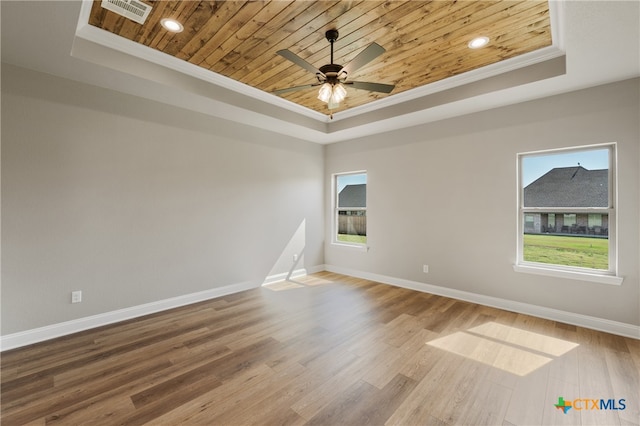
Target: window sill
(356, 247)
(572, 275)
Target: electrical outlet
(76, 296)
(425, 269)
(295, 257)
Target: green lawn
(346, 238)
(583, 252)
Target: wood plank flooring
(325, 349)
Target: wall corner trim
(600, 324)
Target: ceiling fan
(332, 78)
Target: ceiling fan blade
(372, 87)
(293, 89)
(367, 55)
(287, 54)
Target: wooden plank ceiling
(425, 41)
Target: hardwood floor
(326, 349)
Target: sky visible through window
(534, 166)
(344, 180)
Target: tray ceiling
(425, 41)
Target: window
(350, 225)
(569, 219)
(567, 211)
(551, 222)
(595, 220)
(529, 222)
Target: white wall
(133, 201)
(444, 194)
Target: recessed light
(171, 25)
(478, 42)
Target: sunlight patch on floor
(524, 338)
(314, 281)
(300, 282)
(283, 285)
(508, 348)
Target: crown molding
(112, 41)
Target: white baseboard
(28, 337)
(285, 276)
(292, 274)
(600, 324)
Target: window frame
(336, 209)
(608, 276)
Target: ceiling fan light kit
(332, 94)
(332, 78)
(325, 92)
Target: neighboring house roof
(569, 187)
(353, 196)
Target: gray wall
(133, 201)
(444, 194)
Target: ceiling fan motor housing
(331, 72)
(331, 35)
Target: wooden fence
(352, 225)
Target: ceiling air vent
(131, 9)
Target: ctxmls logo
(590, 404)
(563, 405)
